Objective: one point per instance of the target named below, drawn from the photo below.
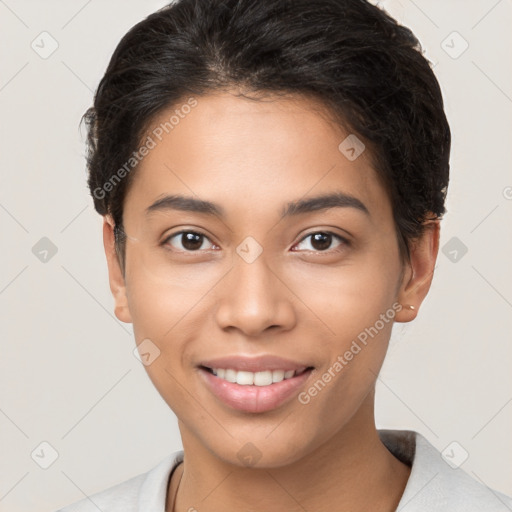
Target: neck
(351, 471)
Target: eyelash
(344, 241)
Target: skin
(252, 158)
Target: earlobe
(115, 273)
(418, 277)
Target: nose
(254, 299)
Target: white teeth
(230, 376)
(264, 378)
(245, 378)
(277, 375)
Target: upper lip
(254, 364)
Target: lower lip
(254, 398)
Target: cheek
(351, 296)
(168, 305)
(159, 312)
(161, 292)
(356, 301)
(362, 324)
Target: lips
(254, 364)
(257, 384)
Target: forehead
(252, 154)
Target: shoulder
(435, 482)
(145, 492)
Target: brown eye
(321, 241)
(187, 241)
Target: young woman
(272, 175)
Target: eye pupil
(321, 241)
(191, 241)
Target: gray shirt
(435, 483)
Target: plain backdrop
(68, 376)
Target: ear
(419, 271)
(115, 273)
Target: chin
(262, 451)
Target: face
(258, 251)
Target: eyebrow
(301, 206)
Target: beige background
(68, 376)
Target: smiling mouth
(260, 378)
